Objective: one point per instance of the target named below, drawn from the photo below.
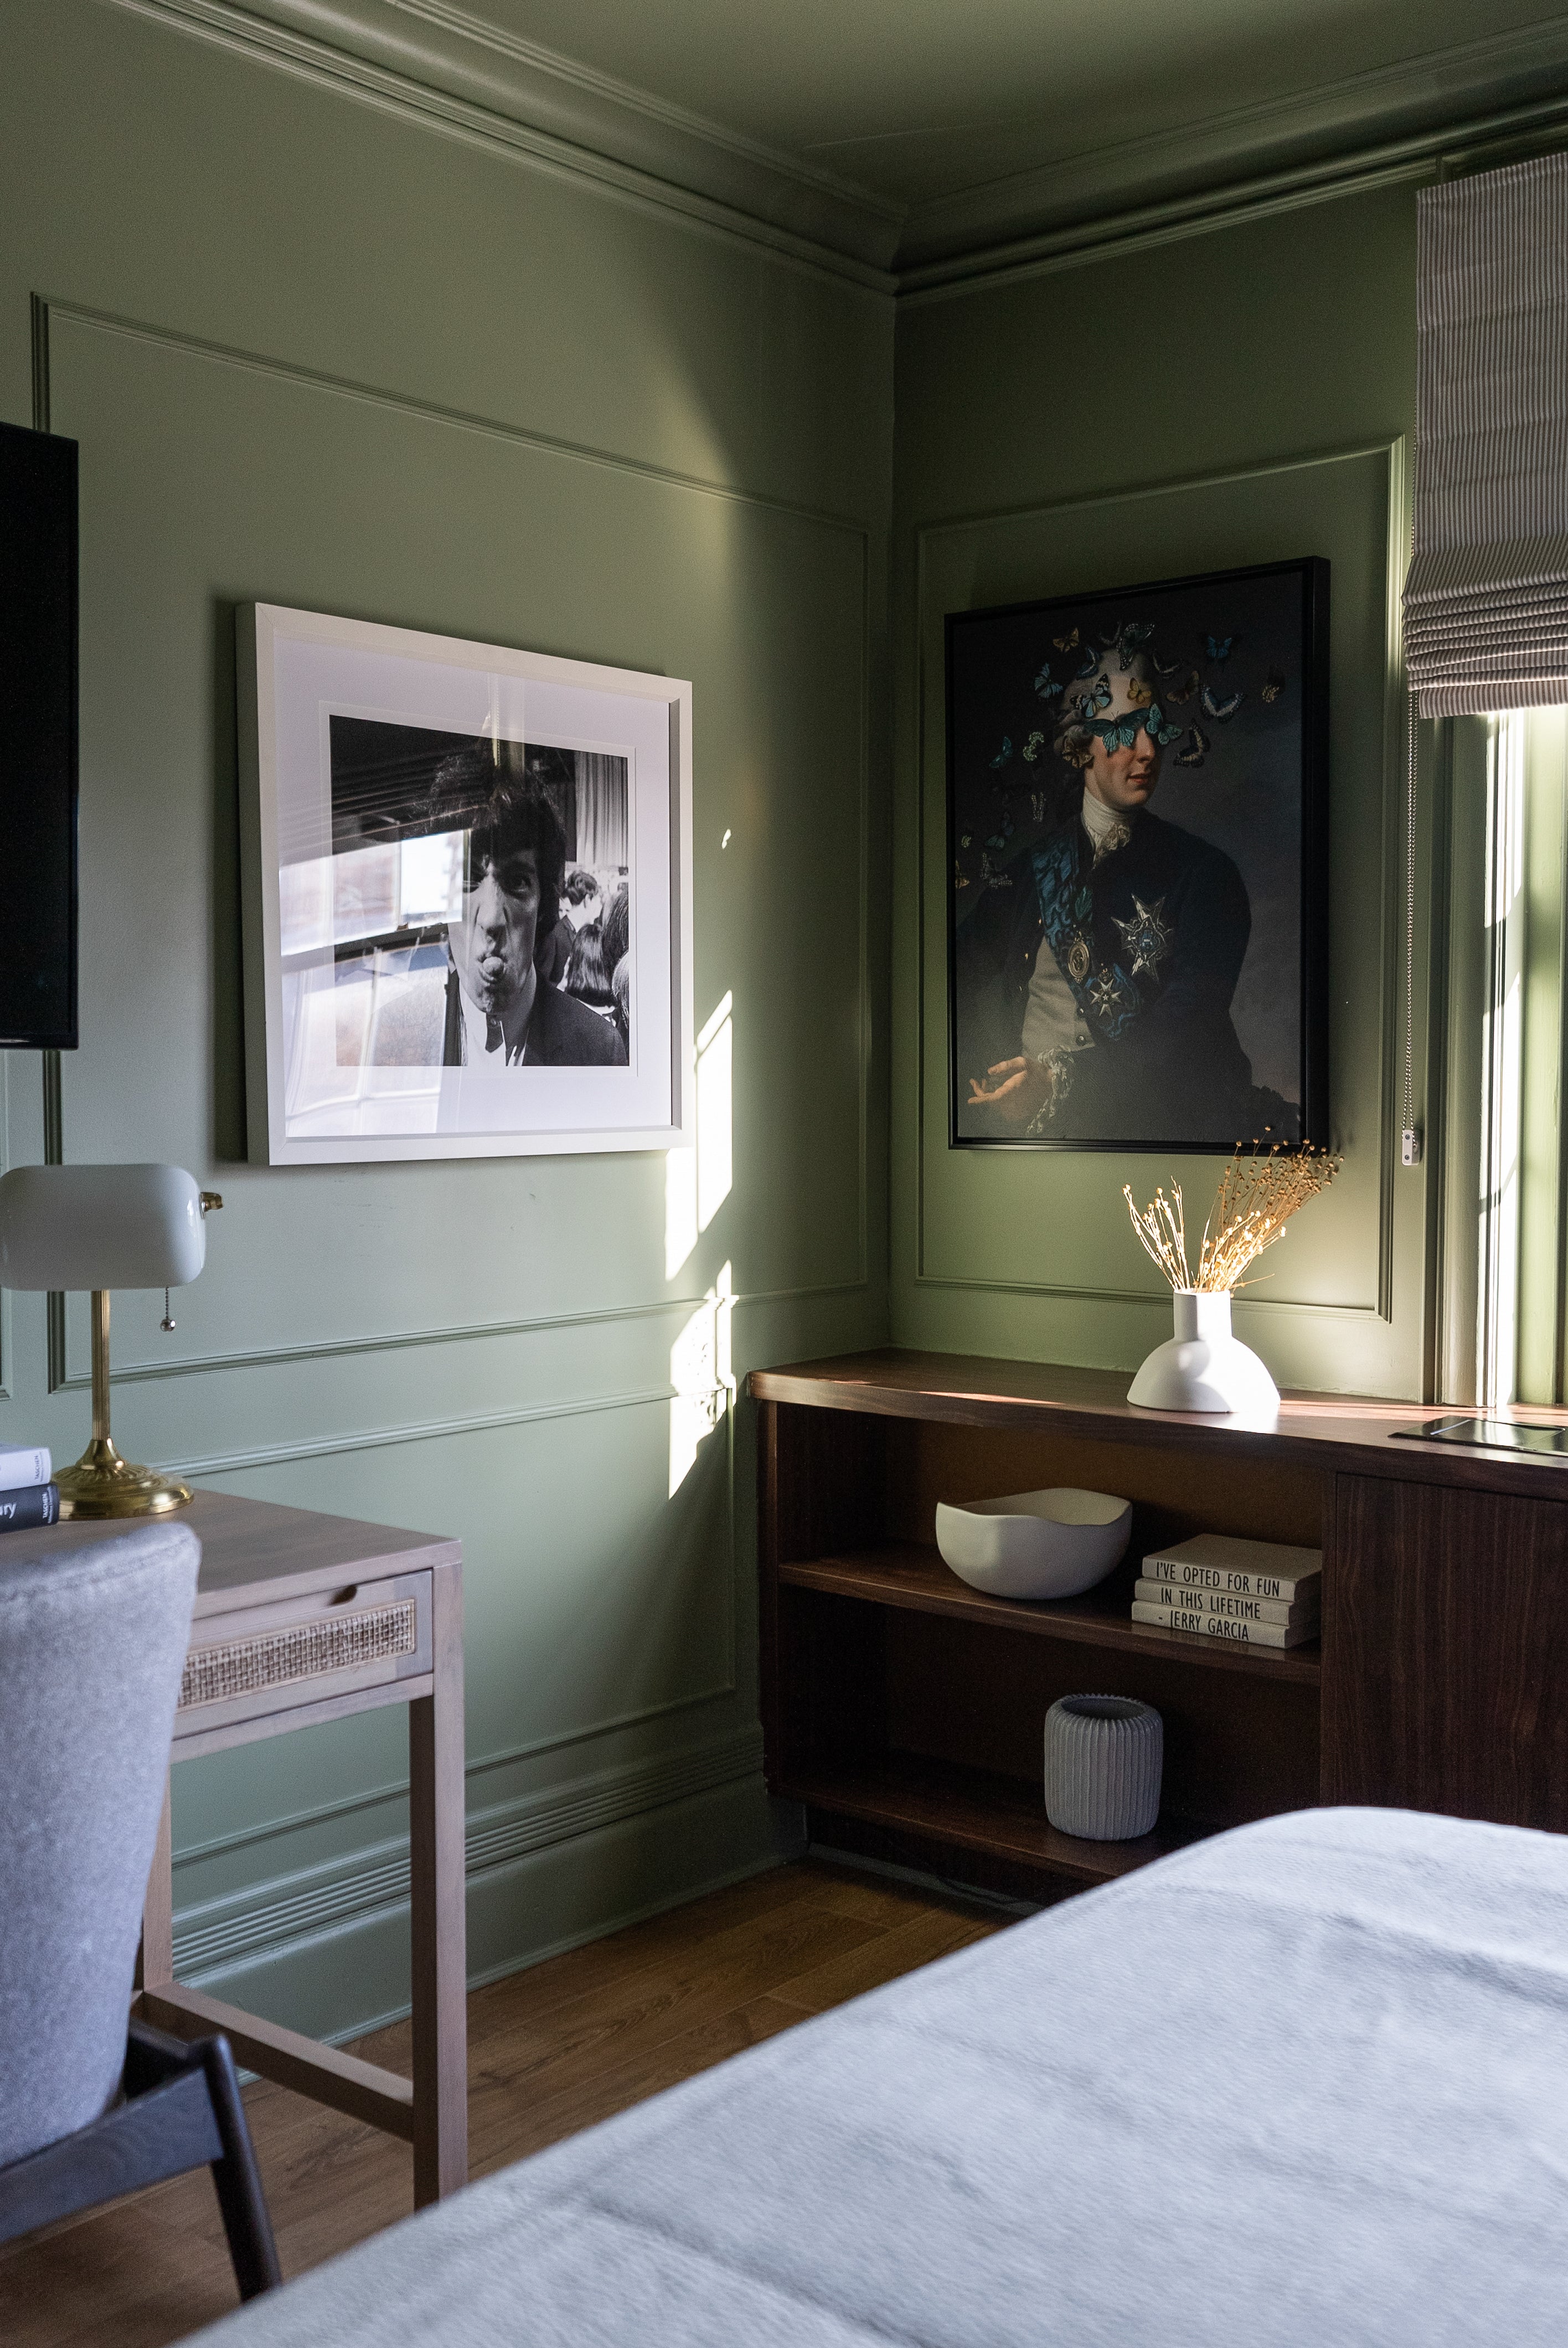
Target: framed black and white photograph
(1137, 866)
(468, 896)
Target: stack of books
(1258, 1593)
(27, 1494)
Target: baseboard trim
(288, 1912)
(563, 1946)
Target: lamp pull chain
(168, 1320)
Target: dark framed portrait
(1137, 902)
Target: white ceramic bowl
(1035, 1544)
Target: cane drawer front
(261, 1659)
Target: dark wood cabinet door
(1445, 1652)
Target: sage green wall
(1179, 405)
(317, 354)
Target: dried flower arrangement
(1259, 1191)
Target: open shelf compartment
(975, 1810)
(909, 1575)
(906, 1711)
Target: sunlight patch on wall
(701, 1373)
(698, 1181)
(680, 1208)
(715, 1113)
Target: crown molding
(1407, 112)
(432, 62)
(428, 59)
(1477, 144)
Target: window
(1520, 1224)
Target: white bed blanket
(1306, 2083)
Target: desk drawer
(263, 1660)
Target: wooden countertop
(1334, 1431)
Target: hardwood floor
(551, 2051)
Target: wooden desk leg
(155, 1958)
(436, 1805)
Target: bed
(1305, 2083)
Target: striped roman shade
(1486, 601)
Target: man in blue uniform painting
(1094, 991)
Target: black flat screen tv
(38, 739)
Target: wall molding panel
(141, 330)
(938, 1237)
(379, 1439)
(636, 1602)
(266, 1357)
(1138, 1297)
(48, 310)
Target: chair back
(92, 1641)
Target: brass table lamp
(102, 1227)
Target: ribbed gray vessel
(1104, 1758)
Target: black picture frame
(1009, 671)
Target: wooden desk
(904, 1709)
(302, 1618)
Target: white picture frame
(393, 1009)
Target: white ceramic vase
(1203, 1367)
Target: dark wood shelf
(975, 1809)
(915, 1577)
(1441, 1682)
(1363, 1435)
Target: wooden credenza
(906, 1710)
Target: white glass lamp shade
(100, 1227)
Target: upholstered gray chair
(92, 1640)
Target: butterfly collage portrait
(1137, 865)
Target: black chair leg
(240, 2197)
(180, 2110)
